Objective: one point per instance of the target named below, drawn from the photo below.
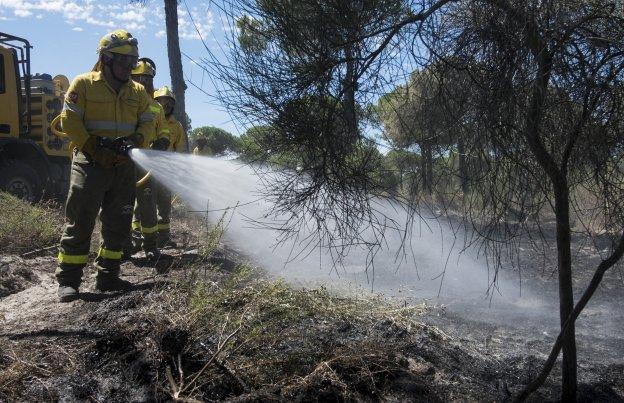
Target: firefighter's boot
(67, 293)
(153, 255)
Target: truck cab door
(9, 94)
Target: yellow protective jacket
(176, 135)
(161, 128)
(93, 108)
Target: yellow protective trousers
(145, 218)
(92, 188)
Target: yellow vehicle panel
(46, 107)
(9, 96)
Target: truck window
(2, 78)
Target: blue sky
(64, 35)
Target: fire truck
(34, 161)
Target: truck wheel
(21, 180)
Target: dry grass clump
(25, 226)
(14, 278)
(26, 366)
(256, 333)
(212, 238)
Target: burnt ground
(176, 335)
(521, 333)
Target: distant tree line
(218, 141)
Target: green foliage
(250, 35)
(253, 144)
(188, 122)
(419, 112)
(213, 237)
(24, 226)
(218, 140)
(402, 165)
(257, 145)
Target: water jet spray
(235, 187)
(432, 253)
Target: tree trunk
(427, 159)
(423, 168)
(566, 296)
(605, 265)
(463, 168)
(349, 85)
(175, 64)
(559, 181)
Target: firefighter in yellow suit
(145, 222)
(201, 147)
(104, 113)
(167, 100)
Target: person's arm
(146, 125)
(73, 112)
(180, 145)
(163, 134)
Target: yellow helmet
(164, 92)
(119, 41)
(145, 66)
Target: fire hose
(116, 145)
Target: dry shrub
(257, 333)
(14, 278)
(25, 368)
(25, 226)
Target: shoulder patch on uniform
(72, 97)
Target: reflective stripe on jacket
(93, 108)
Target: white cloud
(52, 5)
(84, 11)
(73, 11)
(159, 14)
(226, 26)
(198, 27)
(112, 14)
(109, 7)
(77, 29)
(131, 15)
(100, 23)
(134, 27)
(22, 12)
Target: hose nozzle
(120, 145)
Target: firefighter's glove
(103, 156)
(136, 139)
(161, 144)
